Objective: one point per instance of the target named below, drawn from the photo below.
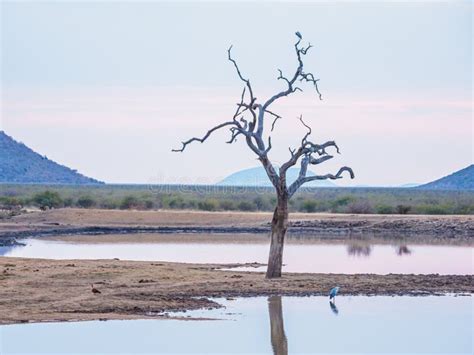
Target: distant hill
(20, 164)
(409, 185)
(258, 177)
(460, 180)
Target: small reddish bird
(94, 290)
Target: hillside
(258, 177)
(20, 164)
(460, 180)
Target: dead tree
(255, 121)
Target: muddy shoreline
(66, 222)
(40, 290)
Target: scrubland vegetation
(212, 198)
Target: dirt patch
(37, 290)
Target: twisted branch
(203, 139)
(303, 180)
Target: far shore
(77, 223)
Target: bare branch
(235, 132)
(269, 145)
(246, 81)
(299, 75)
(321, 148)
(303, 141)
(277, 117)
(300, 181)
(315, 161)
(240, 105)
(281, 77)
(309, 77)
(306, 150)
(201, 140)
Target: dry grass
(99, 217)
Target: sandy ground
(87, 217)
(37, 290)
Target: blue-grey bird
(333, 292)
(299, 35)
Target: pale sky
(109, 88)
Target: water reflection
(277, 329)
(333, 306)
(8, 249)
(364, 250)
(374, 325)
(359, 250)
(278, 337)
(320, 257)
(403, 250)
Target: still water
(278, 325)
(344, 257)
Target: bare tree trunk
(279, 227)
(277, 329)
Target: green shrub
(149, 204)
(309, 206)
(262, 203)
(208, 205)
(227, 205)
(246, 206)
(341, 202)
(176, 203)
(85, 202)
(109, 204)
(434, 209)
(129, 202)
(68, 202)
(47, 200)
(192, 204)
(384, 209)
(464, 209)
(359, 207)
(10, 203)
(403, 209)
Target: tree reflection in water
(277, 328)
(403, 250)
(365, 250)
(359, 250)
(278, 337)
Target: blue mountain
(258, 177)
(460, 180)
(19, 164)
